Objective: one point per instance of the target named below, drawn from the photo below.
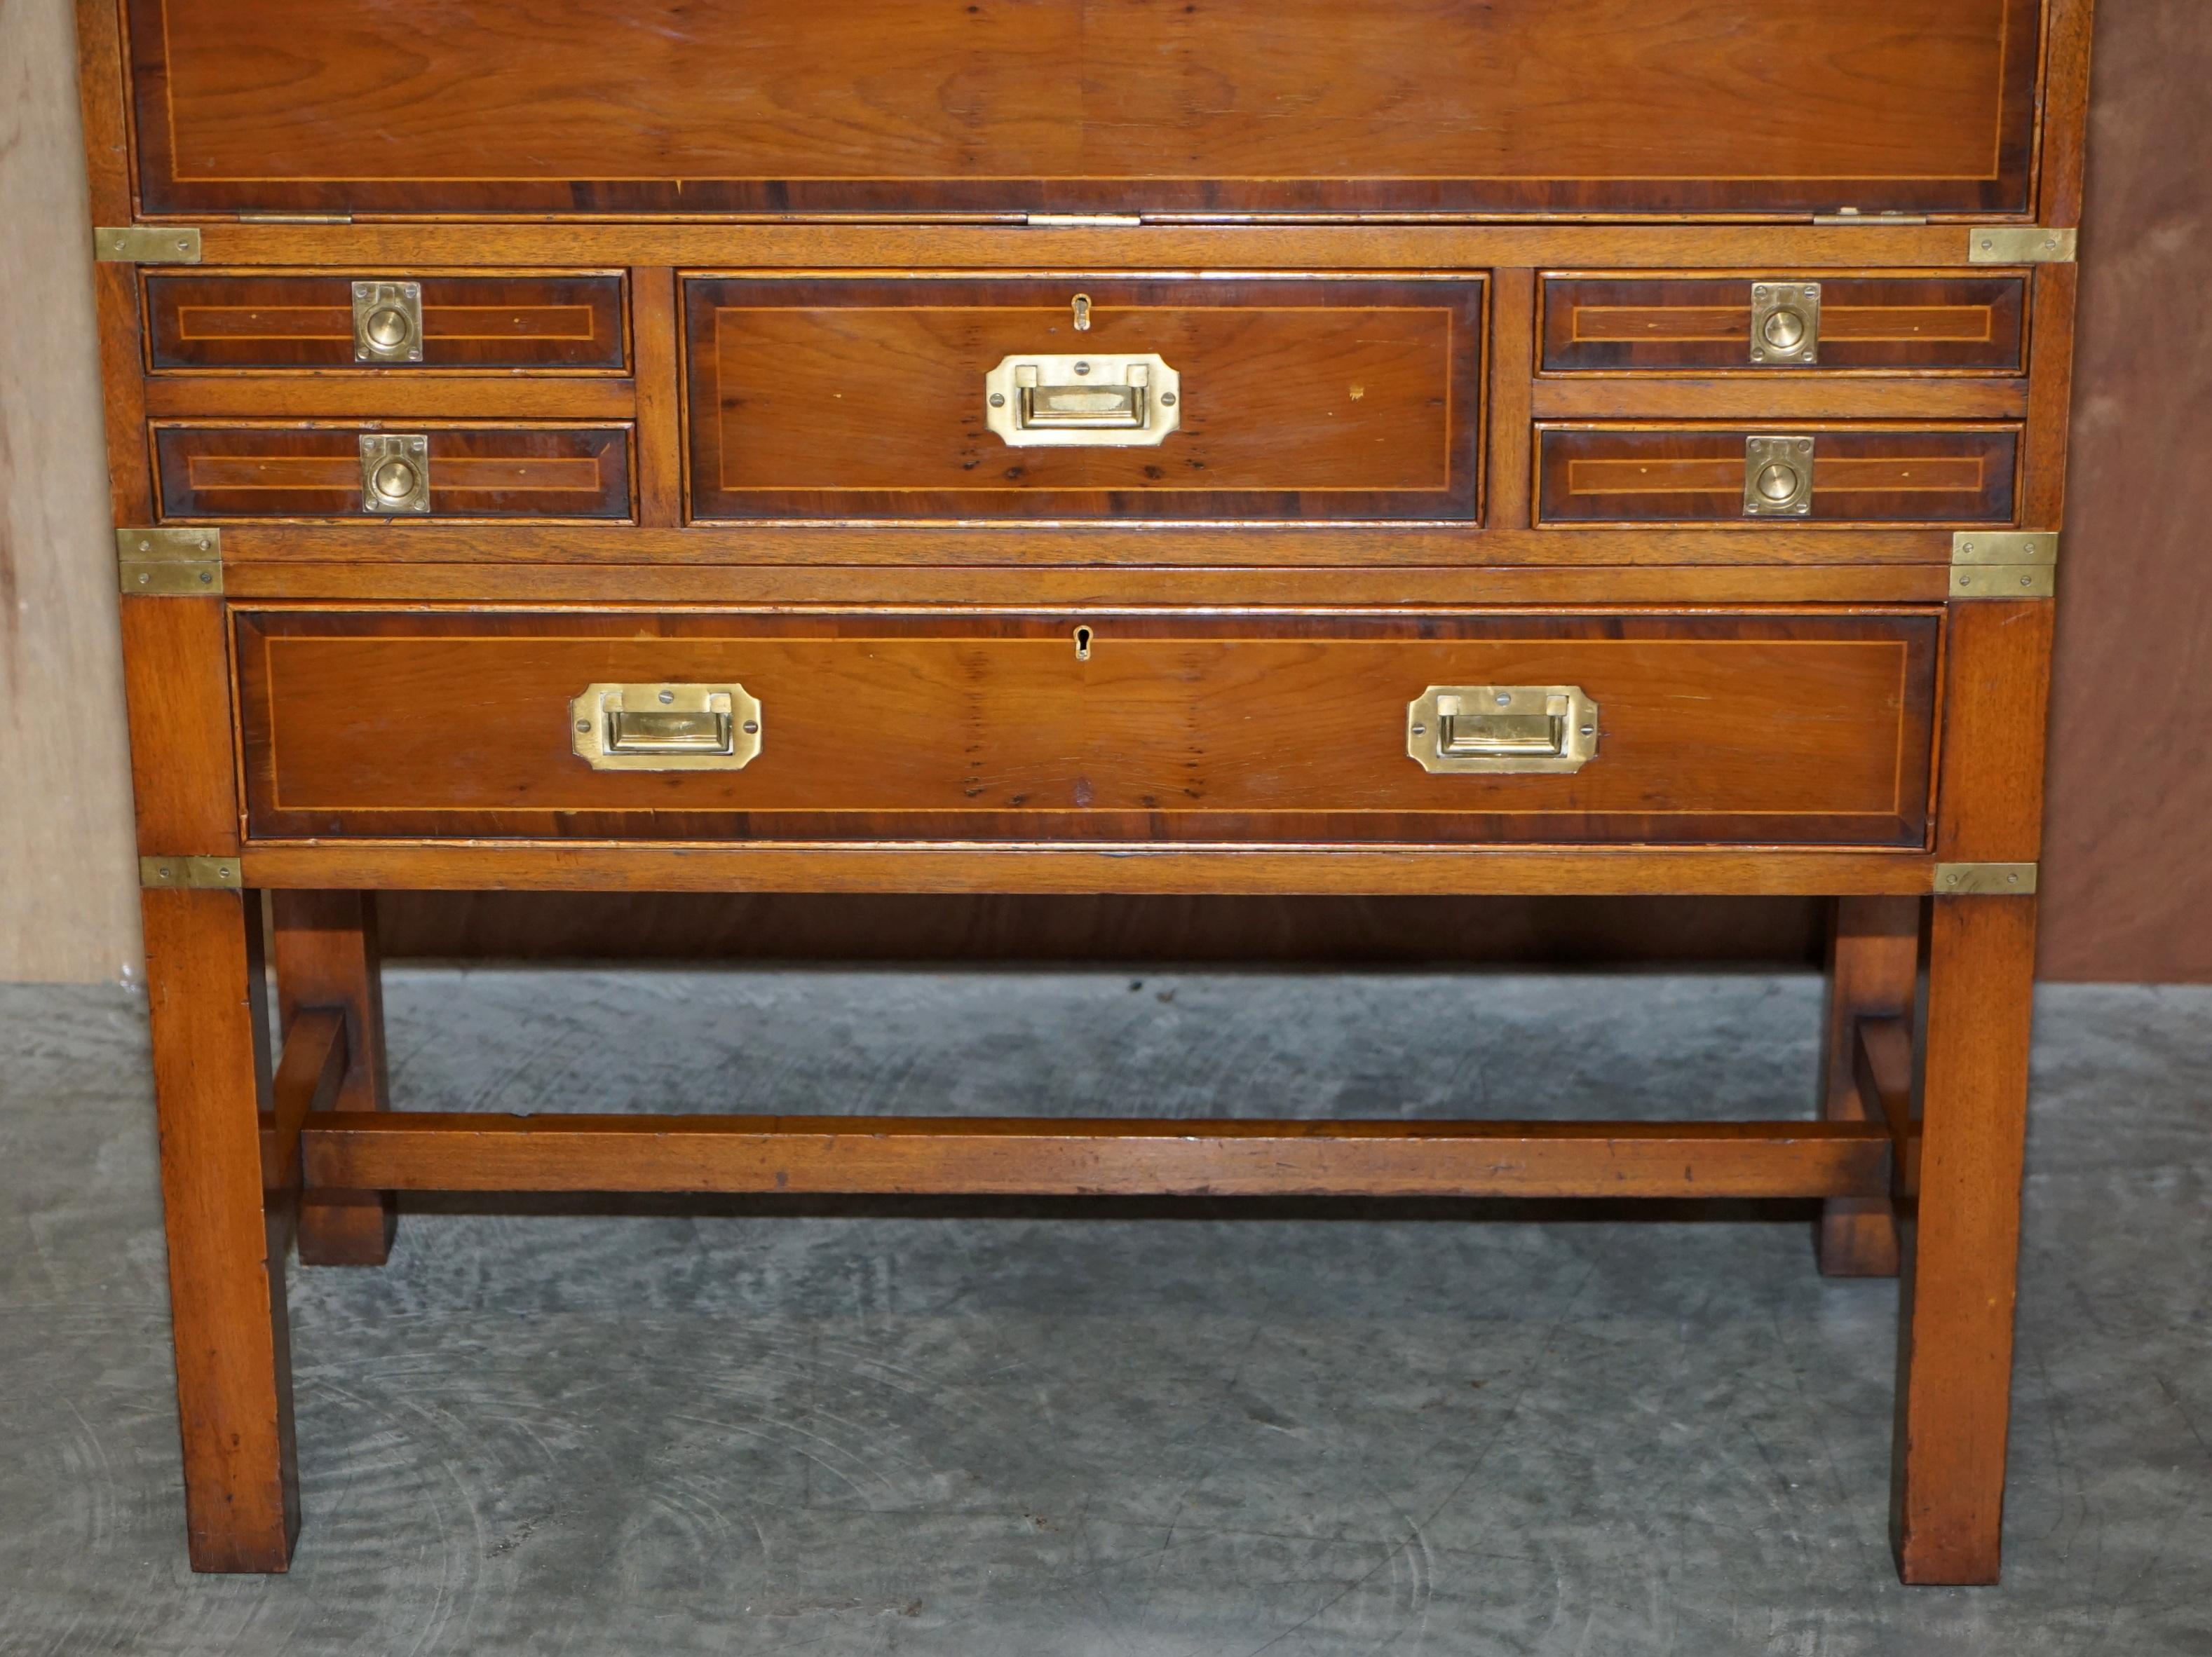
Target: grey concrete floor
(1111, 1433)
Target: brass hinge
(190, 874)
(146, 243)
(1985, 879)
(1852, 215)
(2004, 564)
(1083, 221)
(170, 563)
(2009, 245)
(295, 218)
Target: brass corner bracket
(1985, 879)
(169, 564)
(1990, 244)
(146, 243)
(2004, 564)
(190, 874)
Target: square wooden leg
(211, 1085)
(1962, 1247)
(1874, 971)
(326, 956)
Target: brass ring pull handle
(1101, 401)
(1532, 729)
(1777, 477)
(665, 727)
(395, 473)
(1785, 324)
(387, 322)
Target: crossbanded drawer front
(622, 106)
(1113, 728)
(1921, 324)
(1859, 475)
(459, 472)
(1289, 399)
(199, 321)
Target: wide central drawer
(1079, 397)
(1110, 726)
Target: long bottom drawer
(1459, 728)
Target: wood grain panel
(1759, 399)
(39, 42)
(1786, 730)
(337, 581)
(331, 396)
(1300, 399)
(2065, 96)
(659, 408)
(209, 1028)
(314, 471)
(1234, 106)
(201, 319)
(1155, 869)
(1120, 563)
(1861, 475)
(1996, 671)
(1506, 417)
(1956, 1335)
(1874, 972)
(426, 1150)
(183, 768)
(328, 964)
(1927, 325)
(797, 245)
(2050, 397)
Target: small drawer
(1115, 727)
(272, 470)
(1808, 323)
(1776, 475)
(974, 397)
(383, 321)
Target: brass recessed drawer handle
(665, 727)
(1777, 477)
(1785, 323)
(387, 322)
(1082, 402)
(395, 473)
(1532, 729)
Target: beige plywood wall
(2128, 874)
(68, 884)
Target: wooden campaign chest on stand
(1378, 446)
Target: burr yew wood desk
(1600, 446)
